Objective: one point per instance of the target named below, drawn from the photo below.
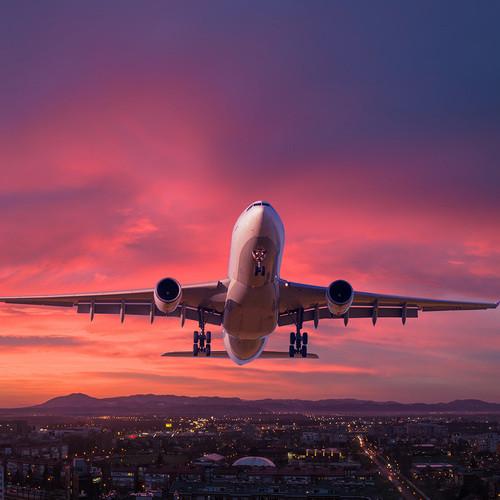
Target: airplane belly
(243, 351)
(250, 313)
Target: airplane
(253, 300)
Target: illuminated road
(407, 489)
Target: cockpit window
(258, 204)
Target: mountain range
(78, 404)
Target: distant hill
(153, 405)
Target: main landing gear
(298, 339)
(202, 343)
(202, 340)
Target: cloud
(128, 153)
(16, 342)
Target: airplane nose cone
(261, 218)
(257, 217)
(261, 215)
(263, 221)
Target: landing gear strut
(298, 339)
(202, 340)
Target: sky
(132, 134)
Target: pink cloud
(128, 184)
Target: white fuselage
(252, 303)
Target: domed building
(253, 462)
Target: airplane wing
(310, 302)
(207, 297)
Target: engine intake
(339, 297)
(167, 295)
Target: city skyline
(128, 151)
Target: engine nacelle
(339, 297)
(168, 294)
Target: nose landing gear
(260, 270)
(298, 340)
(259, 255)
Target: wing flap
(290, 318)
(144, 309)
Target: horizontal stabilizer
(223, 354)
(284, 354)
(189, 354)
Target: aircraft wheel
(195, 349)
(209, 337)
(291, 351)
(196, 337)
(305, 338)
(208, 350)
(292, 338)
(298, 341)
(303, 351)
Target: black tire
(208, 350)
(291, 351)
(195, 350)
(303, 351)
(292, 338)
(196, 337)
(305, 338)
(298, 342)
(209, 337)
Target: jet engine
(339, 297)
(167, 294)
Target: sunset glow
(133, 135)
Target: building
(2, 483)
(253, 462)
(210, 459)
(323, 455)
(14, 428)
(443, 472)
(310, 437)
(80, 465)
(157, 478)
(123, 478)
(256, 482)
